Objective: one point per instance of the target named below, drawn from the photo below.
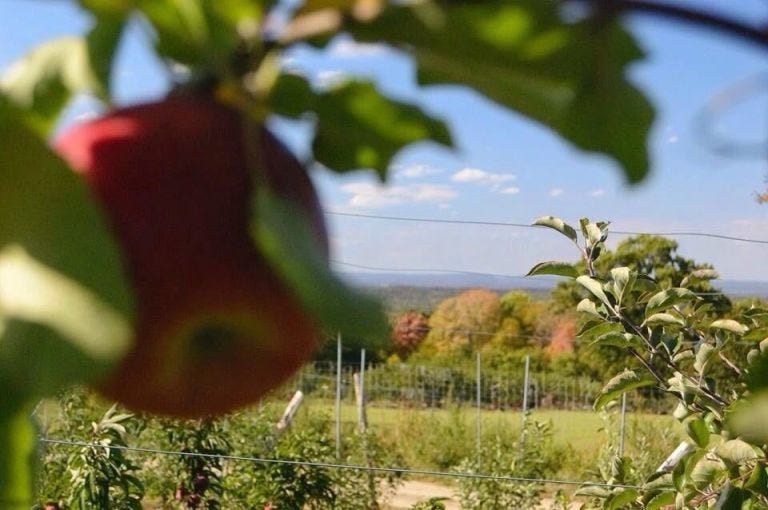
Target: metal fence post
(338, 396)
(479, 396)
(622, 423)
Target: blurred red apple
(215, 328)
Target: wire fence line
(331, 465)
(416, 386)
(710, 235)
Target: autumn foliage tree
(462, 322)
(408, 331)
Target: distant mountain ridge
(734, 288)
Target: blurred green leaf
(736, 451)
(203, 35)
(18, 457)
(65, 301)
(748, 417)
(706, 472)
(625, 381)
(356, 127)
(287, 242)
(557, 224)
(359, 128)
(42, 81)
(703, 355)
(568, 76)
(102, 42)
(554, 268)
(698, 431)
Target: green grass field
(433, 438)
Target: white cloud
(510, 190)
(599, 192)
(414, 171)
(483, 178)
(556, 192)
(372, 195)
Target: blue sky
(507, 169)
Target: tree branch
(755, 34)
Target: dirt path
(413, 491)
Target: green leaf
(594, 287)
(706, 472)
(64, 294)
(594, 491)
(698, 431)
(43, 81)
(619, 339)
(356, 127)
(286, 240)
(201, 35)
(587, 306)
(667, 298)
(736, 452)
(73, 334)
(662, 319)
(554, 268)
(523, 55)
(758, 480)
(729, 325)
(102, 42)
(703, 355)
(623, 281)
(621, 498)
(731, 498)
(661, 500)
(557, 224)
(625, 381)
(359, 128)
(699, 275)
(18, 457)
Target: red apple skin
(215, 327)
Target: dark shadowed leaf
(698, 431)
(554, 268)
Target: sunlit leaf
(554, 268)
(625, 381)
(621, 498)
(736, 451)
(66, 304)
(43, 81)
(523, 55)
(661, 500)
(668, 298)
(703, 355)
(594, 287)
(558, 225)
(706, 472)
(729, 325)
(663, 318)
